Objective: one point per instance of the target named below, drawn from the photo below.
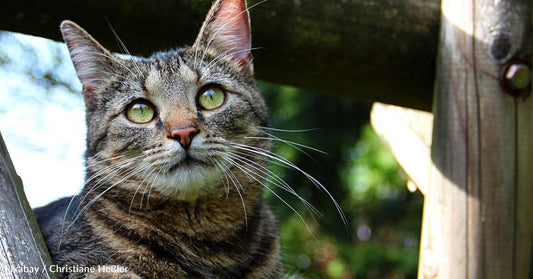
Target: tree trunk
(368, 49)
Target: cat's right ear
(226, 29)
(92, 62)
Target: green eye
(211, 98)
(140, 111)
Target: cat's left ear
(226, 29)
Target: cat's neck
(212, 215)
(227, 231)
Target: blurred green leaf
(384, 219)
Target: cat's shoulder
(48, 215)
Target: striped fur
(150, 204)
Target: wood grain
(407, 133)
(477, 213)
(21, 243)
(368, 49)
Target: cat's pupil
(140, 107)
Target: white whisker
(223, 170)
(229, 52)
(289, 164)
(236, 185)
(152, 186)
(287, 131)
(137, 191)
(110, 172)
(295, 145)
(99, 183)
(223, 27)
(273, 179)
(115, 60)
(259, 179)
(125, 49)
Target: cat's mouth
(188, 178)
(187, 163)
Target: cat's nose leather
(183, 135)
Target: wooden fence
(23, 253)
(473, 159)
(478, 185)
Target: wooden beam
(407, 133)
(23, 252)
(478, 206)
(368, 49)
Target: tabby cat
(176, 161)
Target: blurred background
(42, 123)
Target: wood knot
(500, 47)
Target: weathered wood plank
(477, 212)
(524, 196)
(23, 253)
(368, 49)
(407, 133)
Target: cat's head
(176, 122)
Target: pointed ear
(92, 62)
(226, 29)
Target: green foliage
(380, 239)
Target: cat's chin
(189, 181)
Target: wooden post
(478, 212)
(23, 253)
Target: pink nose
(183, 135)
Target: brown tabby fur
(150, 205)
